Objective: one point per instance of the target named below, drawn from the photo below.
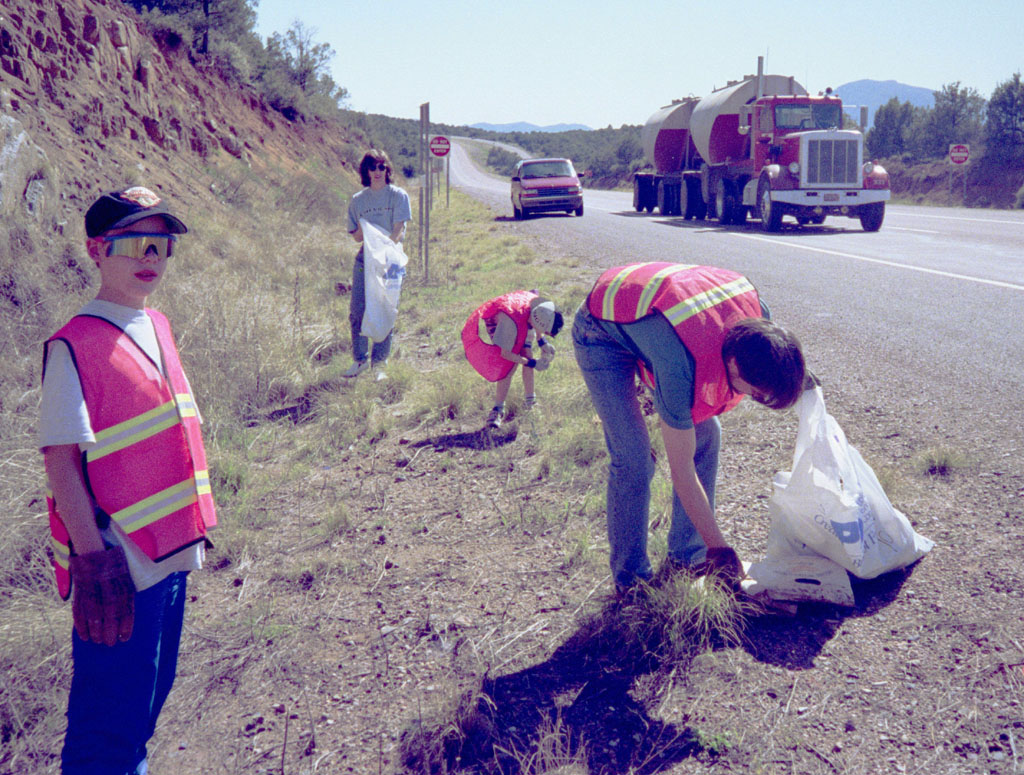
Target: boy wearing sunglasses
(130, 499)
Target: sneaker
(380, 375)
(530, 402)
(494, 418)
(357, 368)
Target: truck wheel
(700, 207)
(730, 211)
(721, 213)
(771, 213)
(686, 203)
(579, 211)
(872, 215)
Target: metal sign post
(959, 155)
(425, 190)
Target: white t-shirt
(64, 419)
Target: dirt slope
(107, 103)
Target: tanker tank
(715, 120)
(666, 136)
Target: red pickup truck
(544, 186)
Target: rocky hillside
(90, 100)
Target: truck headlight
(794, 168)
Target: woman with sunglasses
(387, 207)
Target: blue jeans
(117, 692)
(360, 343)
(610, 372)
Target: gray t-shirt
(382, 208)
(64, 419)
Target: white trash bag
(383, 270)
(832, 504)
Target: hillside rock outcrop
(105, 103)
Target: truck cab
(803, 163)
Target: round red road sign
(959, 153)
(439, 145)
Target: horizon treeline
(960, 115)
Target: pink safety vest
(485, 357)
(147, 470)
(701, 302)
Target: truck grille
(832, 161)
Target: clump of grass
(681, 616)
(941, 462)
(580, 551)
(552, 752)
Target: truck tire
(579, 211)
(726, 205)
(699, 207)
(770, 212)
(717, 204)
(872, 215)
(673, 192)
(685, 200)
(714, 185)
(739, 210)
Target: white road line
(952, 275)
(919, 231)
(953, 217)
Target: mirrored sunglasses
(140, 245)
(378, 166)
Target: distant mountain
(522, 126)
(876, 93)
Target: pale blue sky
(601, 62)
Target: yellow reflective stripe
(608, 302)
(61, 553)
(132, 431)
(186, 406)
(149, 510)
(705, 300)
(643, 306)
(203, 483)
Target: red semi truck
(760, 145)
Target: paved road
(927, 312)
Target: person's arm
(505, 336)
(103, 605)
(63, 465)
(680, 446)
(357, 235)
(522, 360)
(398, 231)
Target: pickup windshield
(808, 116)
(546, 169)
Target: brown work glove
(723, 562)
(103, 606)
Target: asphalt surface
(925, 314)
